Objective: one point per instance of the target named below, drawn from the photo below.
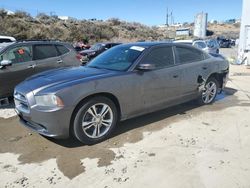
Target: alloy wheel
(209, 92)
(97, 120)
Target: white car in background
(7, 39)
(210, 45)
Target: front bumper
(53, 123)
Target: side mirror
(146, 67)
(5, 63)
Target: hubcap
(209, 92)
(97, 120)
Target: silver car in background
(209, 45)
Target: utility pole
(171, 17)
(167, 17)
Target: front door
(21, 68)
(161, 86)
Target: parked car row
(58, 98)
(226, 42)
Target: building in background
(182, 32)
(66, 18)
(244, 42)
(200, 25)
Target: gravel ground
(7, 111)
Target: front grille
(21, 102)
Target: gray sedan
(124, 82)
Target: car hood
(61, 76)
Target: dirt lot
(184, 146)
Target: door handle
(175, 76)
(59, 61)
(31, 66)
(204, 68)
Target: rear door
(194, 68)
(21, 68)
(67, 55)
(46, 57)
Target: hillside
(22, 26)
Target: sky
(149, 12)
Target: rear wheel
(209, 92)
(95, 120)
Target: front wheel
(95, 120)
(209, 92)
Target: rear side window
(44, 51)
(17, 55)
(62, 49)
(160, 57)
(189, 55)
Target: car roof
(40, 42)
(4, 46)
(152, 44)
(183, 41)
(200, 41)
(7, 37)
(105, 43)
(146, 44)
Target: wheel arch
(110, 96)
(219, 77)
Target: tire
(208, 96)
(95, 120)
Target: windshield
(200, 45)
(119, 58)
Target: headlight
(48, 101)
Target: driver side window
(160, 57)
(17, 55)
